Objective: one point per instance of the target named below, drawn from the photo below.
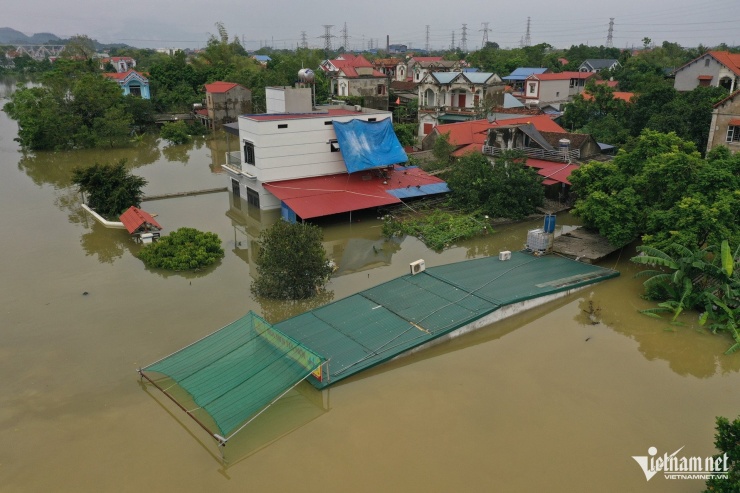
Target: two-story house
(554, 89)
(352, 75)
(714, 68)
(725, 126)
(446, 97)
(325, 161)
(517, 77)
(121, 64)
(225, 101)
(131, 82)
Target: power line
(610, 36)
(327, 37)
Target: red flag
(398, 100)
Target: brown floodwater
(543, 401)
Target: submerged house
(225, 101)
(132, 82)
(311, 162)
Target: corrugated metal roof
(552, 171)
(134, 218)
(332, 194)
(523, 72)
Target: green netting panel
(238, 370)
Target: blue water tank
(549, 223)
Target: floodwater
(544, 401)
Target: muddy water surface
(544, 401)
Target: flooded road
(543, 401)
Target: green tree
(110, 188)
(507, 188)
(291, 263)
(175, 132)
(43, 122)
(184, 249)
(727, 441)
(406, 133)
(442, 150)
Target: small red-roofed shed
(140, 223)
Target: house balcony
(234, 164)
(537, 153)
(449, 109)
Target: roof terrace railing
(536, 153)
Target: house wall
(721, 117)
(300, 150)
(226, 107)
(144, 87)
(687, 78)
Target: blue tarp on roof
(366, 145)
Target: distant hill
(11, 36)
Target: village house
(306, 160)
(352, 75)
(387, 66)
(419, 67)
(725, 126)
(595, 65)
(132, 82)
(714, 68)
(446, 97)
(120, 64)
(516, 79)
(225, 101)
(554, 89)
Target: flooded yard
(549, 400)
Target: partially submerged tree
(291, 263)
(110, 189)
(175, 132)
(184, 249)
(727, 441)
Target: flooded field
(549, 400)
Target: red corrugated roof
(220, 86)
(552, 171)
(325, 195)
(134, 218)
(475, 131)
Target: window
(283, 125)
(557, 94)
(334, 145)
(381, 89)
(706, 62)
(572, 83)
(733, 133)
(248, 152)
(253, 198)
(327, 122)
(372, 119)
(532, 88)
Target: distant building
(397, 49)
(598, 64)
(354, 75)
(554, 89)
(132, 82)
(262, 59)
(517, 77)
(121, 64)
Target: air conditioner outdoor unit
(505, 255)
(417, 267)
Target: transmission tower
(464, 42)
(304, 41)
(327, 37)
(452, 45)
(527, 38)
(485, 34)
(345, 38)
(609, 36)
(426, 46)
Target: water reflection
(177, 153)
(107, 244)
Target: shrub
(110, 188)
(184, 249)
(175, 132)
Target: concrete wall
(226, 107)
(721, 117)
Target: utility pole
(610, 35)
(327, 38)
(485, 34)
(304, 41)
(527, 38)
(426, 46)
(464, 42)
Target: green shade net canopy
(236, 372)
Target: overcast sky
(280, 23)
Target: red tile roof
(475, 131)
(325, 195)
(220, 87)
(611, 83)
(624, 96)
(121, 75)
(729, 60)
(135, 218)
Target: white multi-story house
(293, 160)
(448, 97)
(554, 89)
